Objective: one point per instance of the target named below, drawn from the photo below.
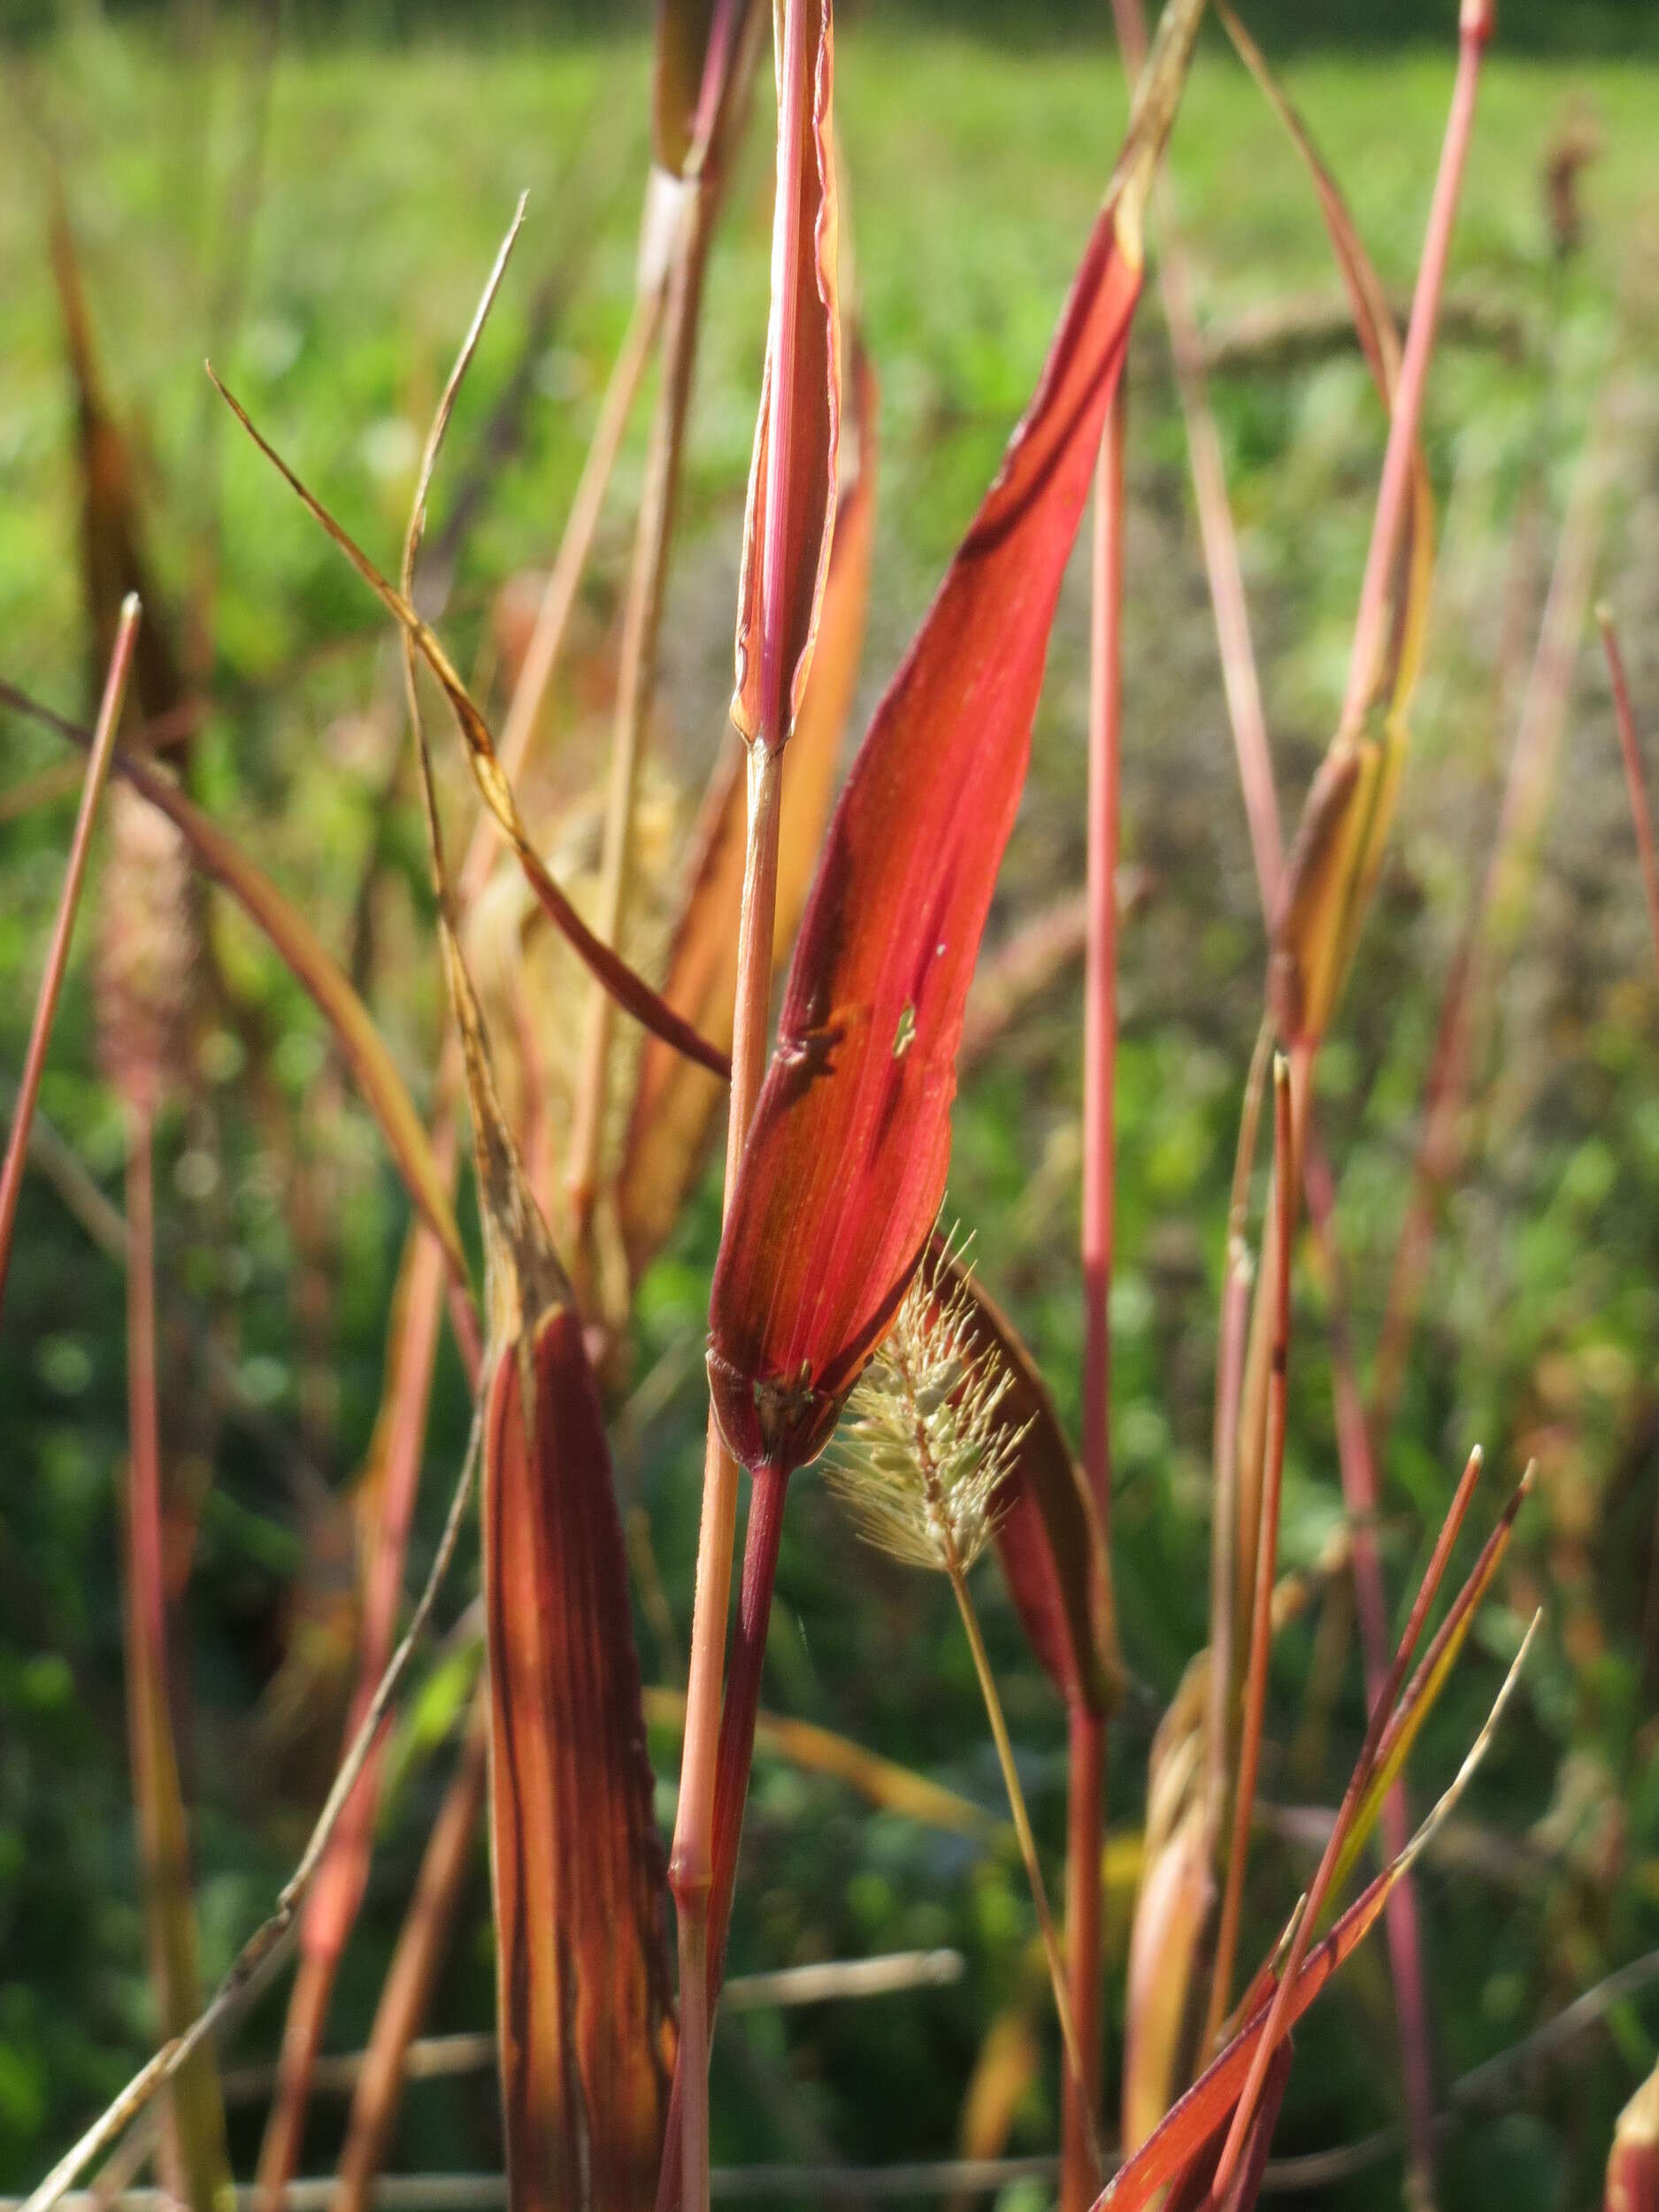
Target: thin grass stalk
(547, 637)
(410, 1979)
(642, 621)
(1308, 1918)
(1034, 1868)
(1641, 814)
(1223, 567)
(1525, 794)
(97, 773)
(1086, 1731)
(332, 1907)
(1360, 1500)
(1267, 1556)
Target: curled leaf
(844, 1167)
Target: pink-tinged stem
(1266, 1559)
(1087, 1733)
(1358, 1781)
(63, 928)
(691, 1863)
(736, 1752)
(1222, 565)
(1360, 1495)
(1475, 28)
(1640, 813)
(1520, 818)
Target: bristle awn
(1267, 1555)
(1641, 814)
(1079, 2168)
(788, 529)
(1382, 1712)
(97, 770)
(728, 66)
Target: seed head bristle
(923, 1450)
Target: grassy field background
(332, 292)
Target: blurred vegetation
(333, 283)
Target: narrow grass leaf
(845, 1163)
(310, 962)
(1192, 2124)
(630, 990)
(693, 76)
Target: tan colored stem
(641, 622)
(1028, 1852)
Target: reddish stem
(63, 929)
(732, 1762)
(1086, 1813)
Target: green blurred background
(332, 272)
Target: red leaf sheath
(581, 1981)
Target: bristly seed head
(922, 1450)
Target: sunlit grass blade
(675, 1103)
(692, 82)
(1216, 2096)
(630, 990)
(63, 928)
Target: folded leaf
(676, 1103)
(791, 513)
(845, 1165)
